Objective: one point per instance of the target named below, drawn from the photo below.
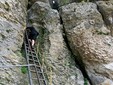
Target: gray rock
(106, 9)
(56, 58)
(90, 39)
(31, 2)
(12, 25)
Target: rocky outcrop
(12, 24)
(88, 31)
(106, 9)
(90, 40)
(64, 2)
(31, 2)
(56, 58)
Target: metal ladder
(35, 72)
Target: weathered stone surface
(65, 2)
(31, 2)
(106, 9)
(56, 57)
(90, 39)
(12, 24)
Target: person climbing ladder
(55, 5)
(32, 35)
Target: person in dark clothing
(32, 35)
(55, 5)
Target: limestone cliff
(12, 24)
(84, 37)
(56, 57)
(90, 39)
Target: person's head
(30, 28)
(53, 1)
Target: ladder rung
(30, 59)
(36, 61)
(38, 66)
(27, 45)
(33, 52)
(39, 72)
(33, 49)
(42, 79)
(31, 55)
(34, 78)
(33, 71)
(35, 57)
(28, 50)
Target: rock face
(56, 57)
(12, 24)
(88, 32)
(106, 9)
(90, 40)
(31, 2)
(64, 2)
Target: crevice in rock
(105, 18)
(30, 3)
(101, 11)
(79, 62)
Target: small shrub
(101, 33)
(23, 53)
(24, 69)
(85, 81)
(63, 2)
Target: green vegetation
(63, 2)
(24, 69)
(85, 81)
(101, 33)
(18, 53)
(23, 54)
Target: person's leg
(32, 42)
